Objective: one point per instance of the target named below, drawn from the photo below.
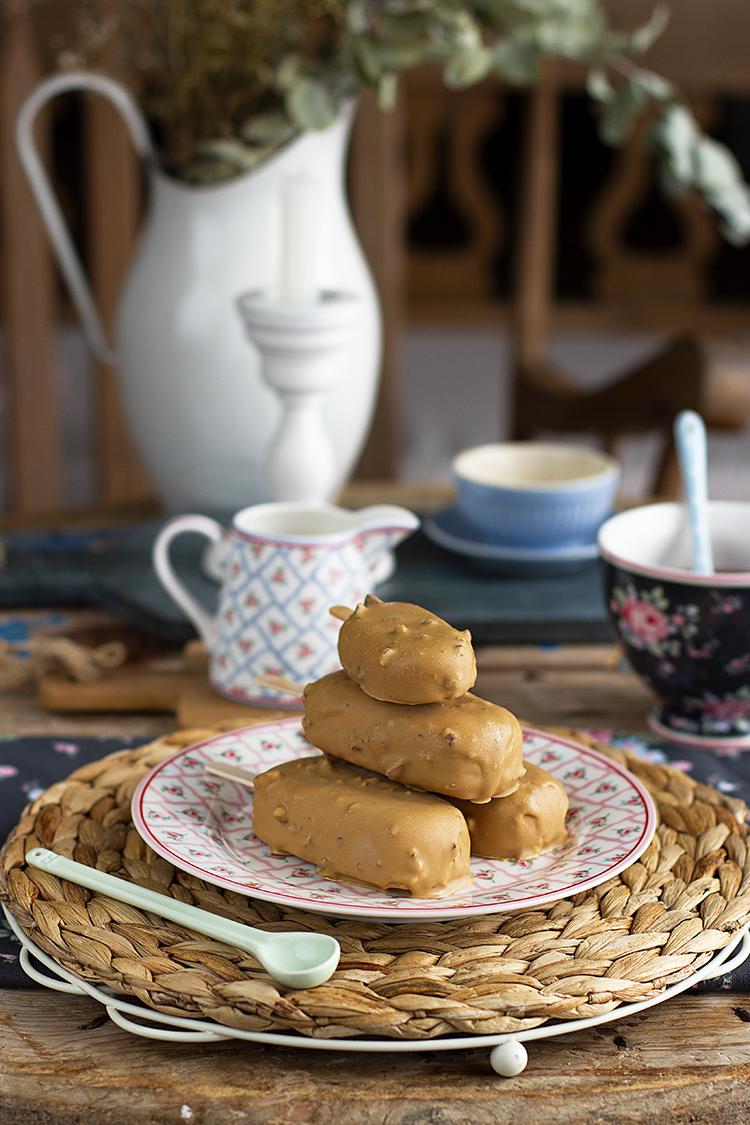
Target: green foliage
(228, 81)
(692, 161)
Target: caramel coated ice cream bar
(465, 748)
(401, 653)
(527, 823)
(360, 828)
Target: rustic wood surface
(63, 1062)
(571, 686)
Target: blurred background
(523, 265)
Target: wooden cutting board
(177, 686)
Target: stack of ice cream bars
(417, 773)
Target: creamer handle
(198, 614)
(49, 209)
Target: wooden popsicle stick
(231, 773)
(281, 683)
(340, 612)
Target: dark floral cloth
(28, 765)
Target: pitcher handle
(68, 260)
(198, 614)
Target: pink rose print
(726, 603)
(727, 710)
(278, 577)
(251, 600)
(70, 749)
(644, 620)
(7, 771)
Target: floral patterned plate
(203, 826)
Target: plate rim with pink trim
(345, 900)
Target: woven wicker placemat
(625, 941)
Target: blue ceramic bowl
(535, 494)
(686, 635)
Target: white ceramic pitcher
(283, 567)
(200, 415)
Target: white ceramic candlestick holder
(302, 348)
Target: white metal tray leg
(509, 1058)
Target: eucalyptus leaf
(387, 92)
(455, 28)
(516, 59)
(576, 41)
(310, 104)
(736, 216)
(619, 113)
(367, 59)
(646, 35)
(288, 71)
(637, 42)
(599, 86)
(715, 168)
(676, 134)
(652, 84)
(229, 151)
(357, 16)
(267, 129)
(468, 67)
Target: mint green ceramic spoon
(296, 960)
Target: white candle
(300, 224)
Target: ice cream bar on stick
(527, 823)
(281, 683)
(400, 653)
(465, 748)
(231, 773)
(357, 827)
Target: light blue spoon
(296, 960)
(690, 436)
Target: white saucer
(449, 529)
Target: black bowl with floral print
(691, 645)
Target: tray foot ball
(509, 1059)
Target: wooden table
(62, 1061)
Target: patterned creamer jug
(283, 565)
